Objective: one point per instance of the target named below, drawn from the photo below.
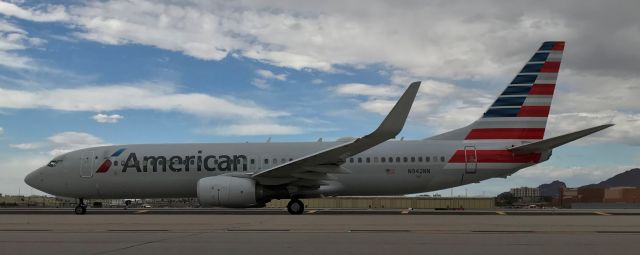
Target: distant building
(526, 194)
(595, 195)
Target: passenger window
(375, 159)
(405, 159)
(442, 158)
(290, 159)
(283, 160)
(390, 159)
(252, 161)
(383, 159)
(419, 159)
(368, 160)
(350, 160)
(275, 161)
(359, 160)
(427, 159)
(398, 159)
(266, 161)
(115, 163)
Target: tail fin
(522, 109)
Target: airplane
(509, 136)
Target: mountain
(551, 189)
(627, 178)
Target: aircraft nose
(32, 179)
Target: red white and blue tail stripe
(522, 109)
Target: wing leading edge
(313, 170)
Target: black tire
(295, 207)
(80, 210)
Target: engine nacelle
(227, 191)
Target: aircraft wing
(313, 169)
(550, 143)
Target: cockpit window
(53, 163)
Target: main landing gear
(81, 208)
(295, 206)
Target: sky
(76, 74)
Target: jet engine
(227, 191)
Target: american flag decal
(390, 171)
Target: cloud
(15, 168)
(1, 131)
(252, 129)
(27, 146)
(145, 96)
(149, 96)
(12, 39)
(69, 141)
(625, 130)
(465, 40)
(260, 83)
(440, 106)
(270, 75)
(104, 118)
(45, 13)
(367, 90)
(63, 142)
(265, 75)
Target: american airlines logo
(104, 167)
(176, 163)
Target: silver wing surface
(315, 170)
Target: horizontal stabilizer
(548, 144)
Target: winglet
(548, 144)
(394, 122)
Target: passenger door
(470, 160)
(86, 164)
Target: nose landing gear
(81, 208)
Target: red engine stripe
(496, 156)
(550, 67)
(104, 167)
(505, 133)
(558, 46)
(534, 111)
(542, 89)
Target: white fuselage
(408, 167)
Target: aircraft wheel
(80, 209)
(295, 206)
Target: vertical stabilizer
(520, 112)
